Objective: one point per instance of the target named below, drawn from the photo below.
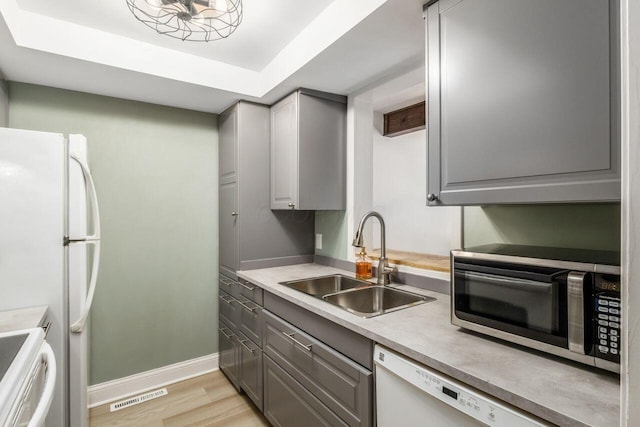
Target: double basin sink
(357, 296)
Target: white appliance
(47, 194)
(27, 378)
(409, 394)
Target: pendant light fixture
(193, 20)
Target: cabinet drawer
(251, 372)
(251, 320)
(251, 291)
(341, 384)
(229, 354)
(228, 285)
(287, 403)
(354, 346)
(229, 310)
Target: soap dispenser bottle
(363, 265)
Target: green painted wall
(333, 227)
(156, 175)
(583, 226)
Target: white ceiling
(266, 28)
(98, 46)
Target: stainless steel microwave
(561, 301)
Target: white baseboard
(107, 392)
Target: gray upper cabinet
(308, 166)
(522, 101)
(251, 234)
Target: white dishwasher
(409, 394)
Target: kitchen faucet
(384, 271)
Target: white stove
(27, 378)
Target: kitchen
(168, 308)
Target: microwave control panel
(607, 319)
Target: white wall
(399, 194)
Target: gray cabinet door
(228, 145)
(522, 101)
(284, 153)
(251, 369)
(229, 360)
(287, 403)
(321, 151)
(228, 228)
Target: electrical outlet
(318, 241)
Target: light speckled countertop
(23, 318)
(555, 390)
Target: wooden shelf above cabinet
(405, 120)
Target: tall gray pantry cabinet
(251, 235)
(522, 101)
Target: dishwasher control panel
(460, 397)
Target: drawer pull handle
(252, 350)
(226, 282)
(291, 337)
(230, 301)
(230, 336)
(246, 307)
(247, 287)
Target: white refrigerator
(50, 251)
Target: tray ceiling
(99, 47)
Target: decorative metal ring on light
(194, 20)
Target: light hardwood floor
(206, 401)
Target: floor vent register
(138, 399)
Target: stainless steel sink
(320, 286)
(375, 300)
(357, 296)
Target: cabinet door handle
(252, 350)
(432, 197)
(246, 307)
(292, 205)
(247, 287)
(295, 341)
(234, 213)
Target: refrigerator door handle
(94, 239)
(93, 199)
(78, 326)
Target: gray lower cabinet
(229, 351)
(523, 101)
(294, 365)
(287, 403)
(251, 369)
(240, 337)
(340, 384)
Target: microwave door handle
(46, 397)
(512, 282)
(575, 311)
